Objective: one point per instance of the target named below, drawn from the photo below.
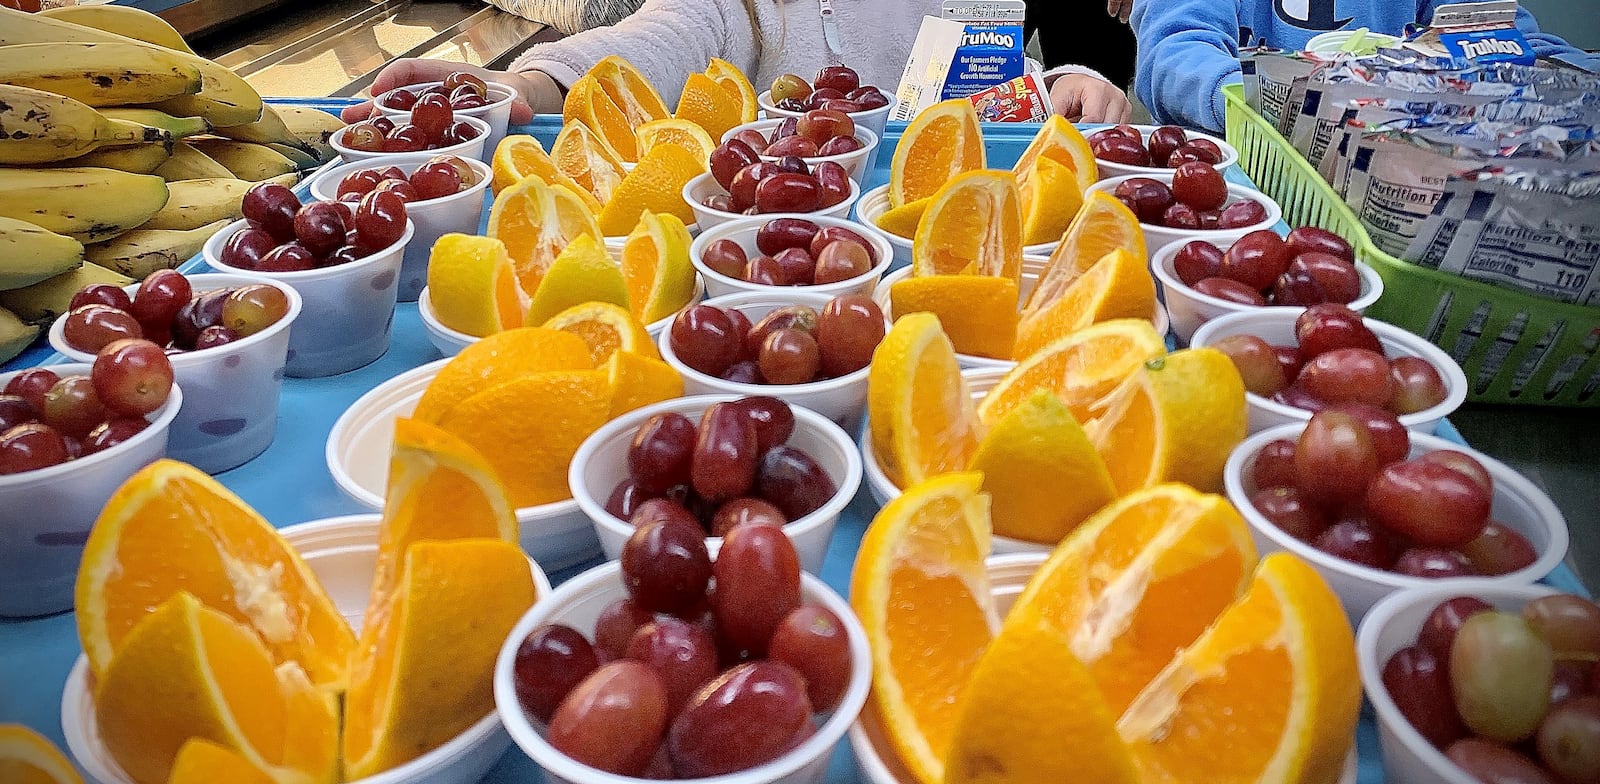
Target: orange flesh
(247, 681)
(943, 444)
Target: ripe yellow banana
(247, 161)
(195, 203)
(188, 163)
(15, 336)
(312, 126)
(135, 158)
(42, 127)
(135, 23)
(42, 302)
(143, 251)
(224, 98)
(100, 74)
(178, 127)
(270, 129)
(29, 254)
(87, 204)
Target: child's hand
(1085, 98)
(412, 71)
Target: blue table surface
(290, 483)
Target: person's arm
(570, 17)
(1080, 94)
(1188, 49)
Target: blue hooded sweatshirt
(1189, 49)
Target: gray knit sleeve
(570, 17)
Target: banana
(224, 98)
(302, 159)
(42, 302)
(143, 251)
(195, 203)
(104, 74)
(247, 161)
(188, 163)
(270, 129)
(15, 336)
(313, 126)
(178, 127)
(42, 127)
(135, 158)
(87, 204)
(135, 23)
(29, 254)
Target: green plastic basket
(1515, 348)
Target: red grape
(29, 447)
(789, 192)
(458, 132)
(682, 654)
(659, 456)
(289, 257)
(1200, 186)
(549, 664)
(1571, 624)
(789, 356)
(1274, 465)
(380, 219)
(132, 377)
(16, 410)
(112, 432)
(772, 419)
(1229, 290)
(1120, 149)
(1438, 632)
(1297, 288)
(613, 720)
(1569, 740)
(252, 308)
(794, 482)
(72, 407)
(1433, 563)
(745, 511)
(834, 183)
(271, 207)
(704, 339)
(1571, 680)
(814, 642)
(1500, 549)
(1284, 507)
(1149, 199)
(1335, 278)
(246, 248)
(32, 385)
(401, 99)
(800, 317)
(1323, 328)
(1358, 541)
(364, 136)
(1417, 385)
(1297, 397)
(725, 456)
(625, 499)
(1428, 503)
(359, 183)
(1196, 261)
(799, 269)
(1354, 375)
(839, 145)
(1419, 684)
(792, 146)
(1241, 214)
(1310, 239)
(432, 115)
(1390, 439)
(92, 327)
(748, 716)
(766, 271)
(792, 164)
(848, 331)
(841, 261)
(436, 180)
(725, 257)
(1462, 463)
(1335, 458)
(665, 566)
(616, 625)
(320, 227)
(742, 188)
(828, 235)
(1289, 360)
(1165, 140)
(211, 337)
(458, 79)
(1256, 259)
(101, 294)
(663, 510)
(1257, 364)
(837, 77)
(406, 138)
(758, 585)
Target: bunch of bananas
(122, 152)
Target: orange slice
(1139, 580)
(656, 267)
(189, 671)
(580, 155)
(497, 359)
(430, 655)
(583, 272)
(1027, 457)
(472, 286)
(921, 591)
(706, 103)
(978, 312)
(629, 90)
(606, 329)
(973, 226)
(536, 221)
(588, 103)
(170, 529)
(1269, 693)
(203, 762)
(682, 133)
(902, 221)
(519, 156)
(1103, 225)
(943, 141)
(1080, 369)
(638, 381)
(655, 185)
(1175, 419)
(1060, 141)
(1119, 286)
(27, 758)
(923, 419)
(734, 81)
(1050, 198)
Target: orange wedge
(1139, 580)
(1060, 141)
(1175, 419)
(978, 312)
(606, 329)
(902, 221)
(189, 671)
(923, 419)
(27, 758)
(472, 286)
(973, 226)
(1119, 286)
(1027, 457)
(519, 156)
(656, 268)
(429, 657)
(203, 762)
(583, 272)
(497, 359)
(734, 81)
(629, 90)
(1103, 225)
(638, 381)
(682, 133)
(1050, 199)
(706, 103)
(943, 141)
(1269, 693)
(171, 528)
(588, 103)
(536, 221)
(580, 155)
(921, 591)
(1080, 369)
(655, 185)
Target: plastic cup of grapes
(466, 96)
(1124, 150)
(1296, 361)
(1202, 280)
(1191, 202)
(341, 553)
(739, 187)
(70, 435)
(443, 194)
(816, 136)
(343, 259)
(464, 136)
(755, 682)
(226, 336)
(1377, 509)
(719, 461)
(835, 87)
(784, 254)
(1477, 681)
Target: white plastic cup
(496, 113)
(743, 232)
(1276, 326)
(460, 212)
(854, 162)
(230, 410)
(875, 120)
(1158, 237)
(52, 510)
(342, 553)
(349, 308)
(578, 602)
(1517, 503)
(602, 462)
(703, 186)
(1109, 169)
(1189, 309)
(1333, 42)
(471, 148)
